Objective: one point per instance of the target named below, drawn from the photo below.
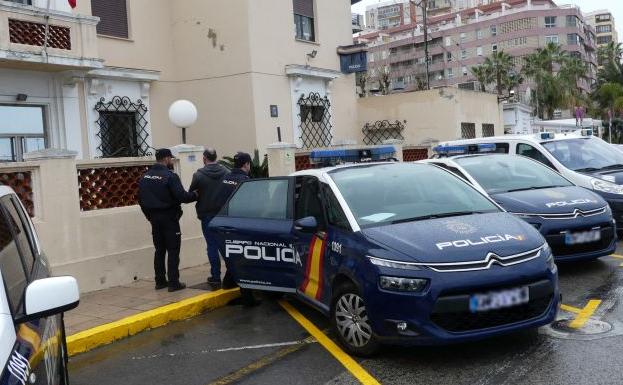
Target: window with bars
(468, 130)
(488, 130)
(113, 16)
(304, 20)
(122, 128)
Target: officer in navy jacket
(161, 195)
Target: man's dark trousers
(213, 255)
(167, 236)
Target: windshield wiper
(436, 216)
(587, 169)
(612, 167)
(531, 188)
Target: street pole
(425, 11)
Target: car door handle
(225, 229)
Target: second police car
(584, 159)
(576, 222)
(389, 260)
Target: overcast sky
(614, 6)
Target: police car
(584, 159)
(391, 252)
(32, 335)
(577, 223)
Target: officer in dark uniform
(160, 196)
(240, 173)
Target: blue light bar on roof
(465, 149)
(352, 155)
(547, 135)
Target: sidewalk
(105, 306)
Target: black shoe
(161, 285)
(229, 284)
(177, 286)
(214, 283)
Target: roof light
(587, 132)
(465, 149)
(352, 155)
(547, 135)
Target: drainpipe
(44, 52)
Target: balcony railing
(63, 39)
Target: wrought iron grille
(122, 128)
(414, 154)
(109, 187)
(488, 130)
(468, 130)
(315, 114)
(381, 130)
(302, 162)
(21, 183)
(29, 33)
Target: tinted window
(335, 214)
(584, 154)
(531, 152)
(11, 264)
(267, 199)
(502, 173)
(401, 192)
(22, 234)
(308, 200)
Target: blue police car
(32, 334)
(577, 223)
(391, 252)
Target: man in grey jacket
(207, 181)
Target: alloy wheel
(352, 320)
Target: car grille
(463, 321)
(486, 263)
(559, 248)
(571, 215)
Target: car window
(335, 214)
(264, 199)
(402, 192)
(308, 202)
(531, 152)
(585, 154)
(22, 232)
(504, 173)
(11, 266)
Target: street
(265, 345)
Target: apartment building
(605, 26)
(99, 79)
(461, 40)
(391, 14)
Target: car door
(38, 353)
(311, 246)
(254, 230)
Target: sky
(614, 6)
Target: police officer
(160, 196)
(240, 173)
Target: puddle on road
(593, 330)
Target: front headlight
(547, 252)
(607, 187)
(412, 285)
(393, 264)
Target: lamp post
(183, 114)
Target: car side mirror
(306, 225)
(51, 296)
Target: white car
(584, 159)
(32, 333)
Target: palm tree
(611, 70)
(500, 64)
(483, 75)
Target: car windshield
(507, 173)
(403, 192)
(585, 154)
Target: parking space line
(347, 361)
(586, 313)
(570, 309)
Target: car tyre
(64, 356)
(350, 321)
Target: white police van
(584, 159)
(32, 334)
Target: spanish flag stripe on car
(312, 286)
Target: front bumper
(442, 315)
(616, 205)
(569, 253)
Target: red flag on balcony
(72, 3)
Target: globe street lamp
(183, 114)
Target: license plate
(582, 237)
(499, 299)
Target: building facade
(391, 14)
(461, 40)
(99, 79)
(605, 27)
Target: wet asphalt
(264, 345)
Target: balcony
(68, 42)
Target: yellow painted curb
(129, 326)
